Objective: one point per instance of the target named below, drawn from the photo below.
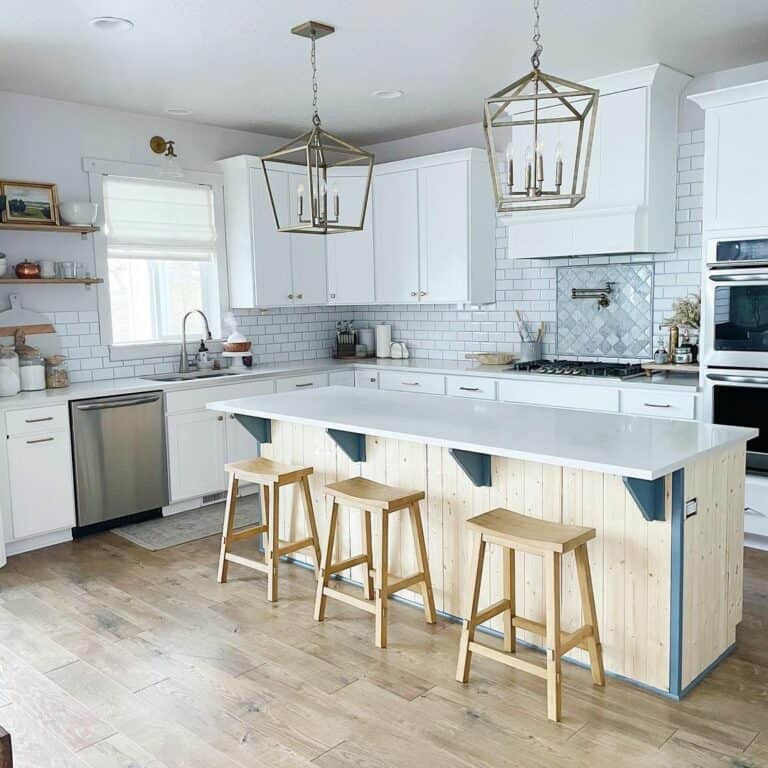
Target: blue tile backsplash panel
(624, 329)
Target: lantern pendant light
(311, 163)
(544, 125)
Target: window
(161, 251)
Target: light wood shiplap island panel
(666, 499)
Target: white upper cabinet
(429, 236)
(735, 163)
(396, 234)
(350, 254)
(268, 268)
(443, 235)
(434, 229)
(268, 256)
(307, 255)
(631, 191)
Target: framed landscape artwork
(29, 202)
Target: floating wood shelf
(51, 281)
(650, 368)
(71, 228)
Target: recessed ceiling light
(178, 111)
(111, 23)
(387, 93)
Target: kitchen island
(666, 499)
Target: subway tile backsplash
(434, 331)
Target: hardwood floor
(112, 656)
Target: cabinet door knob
(219, 418)
(422, 293)
(299, 295)
(414, 293)
(333, 295)
(290, 295)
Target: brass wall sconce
(169, 162)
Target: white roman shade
(147, 219)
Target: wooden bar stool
(269, 475)
(378, 584)
(512, 531)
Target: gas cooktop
(580, 368)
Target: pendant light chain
(536, 58)
(313, 59)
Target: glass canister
(10, 383)
(56, 372)
(32, 372)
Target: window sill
(147, 350)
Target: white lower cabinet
(367, 379)
(405, 381)
(309, 381)
(196, 453)
(41, 483)
(471, 386)
(582, 396)
(668, 405)
(341, 378)
(201, 442)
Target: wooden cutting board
(19, 319)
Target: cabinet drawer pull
(410, 383)
(40, 440)
(333, 295)
(305, 384)
(35, 421)
(470, 389)
(657, 405)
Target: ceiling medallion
(545, 125)
(311, 163)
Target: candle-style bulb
(528, 168)
(539, 161)
(510, 154)
(300, 190)
(558, 166)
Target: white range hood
(630, 203)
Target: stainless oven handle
(118, 403)
(734, 379)
(744, 278)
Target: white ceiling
(234, 63)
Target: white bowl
(79, 214)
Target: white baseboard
(37, 542)
(196, 503)
(756, 542)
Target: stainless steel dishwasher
(119, 453)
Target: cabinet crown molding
(735, 94)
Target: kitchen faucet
(184, 360)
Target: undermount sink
(191, 375)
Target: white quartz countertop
(631, 446)
(79, 391)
